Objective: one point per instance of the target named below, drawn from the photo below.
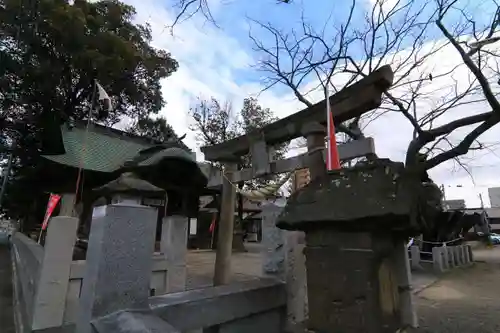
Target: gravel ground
(466, 300)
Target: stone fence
(27, 257)
(53, 293)
(48, 282)
(251, 306)
(442, 258)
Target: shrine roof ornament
(129, 183)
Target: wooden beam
(348, 151)
(353, 101)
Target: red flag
(53, 200)
(212, 225)
(332, 159)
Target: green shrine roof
(107, 150)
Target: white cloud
(206, 59)
(209, 60)
(385, 5)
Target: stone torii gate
(351, 102)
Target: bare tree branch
(305, 61)
(187, 9)
(464, 146)
(488, 93)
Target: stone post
(437, 259)
(466, 255)
(456, 255)
(415, 257)
(451, 256)
(471, 254)
(403, 274)
(463, 256)
(273, 243)
(120, 253)
(356, 221)
(174, 247)
(50, 298)
(296, 278)
(446, 258)
(283, 258)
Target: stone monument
(356, 221)
(115, 288)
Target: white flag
(102, 95)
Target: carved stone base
(352, 285)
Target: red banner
(333, 162)
(53, 200)
(212, 225)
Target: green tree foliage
(158, 129)
(155, 128)
(51, 51)
(216, 122)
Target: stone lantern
(354, 220)
(128, 189)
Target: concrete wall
(27, 256)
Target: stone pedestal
(119, 262)
(296, 278)
(351, 284)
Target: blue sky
(235, 20)
(219, 62)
